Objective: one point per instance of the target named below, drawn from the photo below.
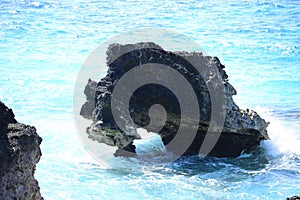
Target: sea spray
(150, 143)
(284, 139)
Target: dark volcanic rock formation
(293, 198)
(19, 153)
(243, 129)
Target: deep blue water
(44, 44)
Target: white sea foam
(35, 4)
(150, 143)
(284, 138)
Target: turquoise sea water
(43, 45)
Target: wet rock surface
(242, 130)
(19, 154)
(293, 198)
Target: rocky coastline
(242, 130)
(19, 153)
(293, 198)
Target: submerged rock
(242, 130)
(19, 154)
(293, 198)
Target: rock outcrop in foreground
(293, 198)
(243, 129)
(19, 153)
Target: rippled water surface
(44, 43)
